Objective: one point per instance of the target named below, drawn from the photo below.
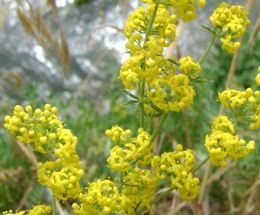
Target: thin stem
(217, 3)
(208, 48)
(155, 200)
(53, 206)
(142, 89)
(149, 29)
(156, 131)
(248, 109)
(200, 165)
(53, 198)
(141, 100)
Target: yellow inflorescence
(223, 142)
(37, 210)
(46, 132)
(129, 150)
(257, 78)
(244, 102)
(232, 20)
(146, 59)
(188, 67)
(178, 165)
(179, 89)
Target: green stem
(200, 165)
(156, 200)
(217, 3)
(208, 48)
(142, 89)
(156, 131)
(53, 206)
(248, 109)
(149, 29)
(53, 198)
(142, 102)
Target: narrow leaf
(138, 107)
(205, 27)
(130, 94)
(201, 80)
(155, 107)
(128, 103)
(172, 61)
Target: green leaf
(199, 80)
(128, 103)
(172, 61)
(157, 115)
(155, 107)
(130, 94)
(138, 107)
(207, 28)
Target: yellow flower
(232, 20)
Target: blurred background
(69, 52)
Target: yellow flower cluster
(135, 187)
(188, 67)
(150, 55)
(139, 188)
(46, 131)
(234, 98)
(147, 61)
(37, 210)
(243, 102)
(103, 196)
(128, 150)
(223, 142)
(232, 20)
(257, 78)
(178, 165)
(185, 8)
(30, 126)
(178, 85)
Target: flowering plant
(158, 90)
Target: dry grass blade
(9, 76)
(18, 80)
(177, 208)
(52, 4)
(124, 5)
(37, 28)
(39, 37)
(30, 7)
(28, 152)
(100, 14)
(26, 22)
(65, 52)
(253, 36)
(249, 206)
(45, 30)
(252, 188)
(3, 18)
(26, 194)
(249, 5)
(216, 176)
